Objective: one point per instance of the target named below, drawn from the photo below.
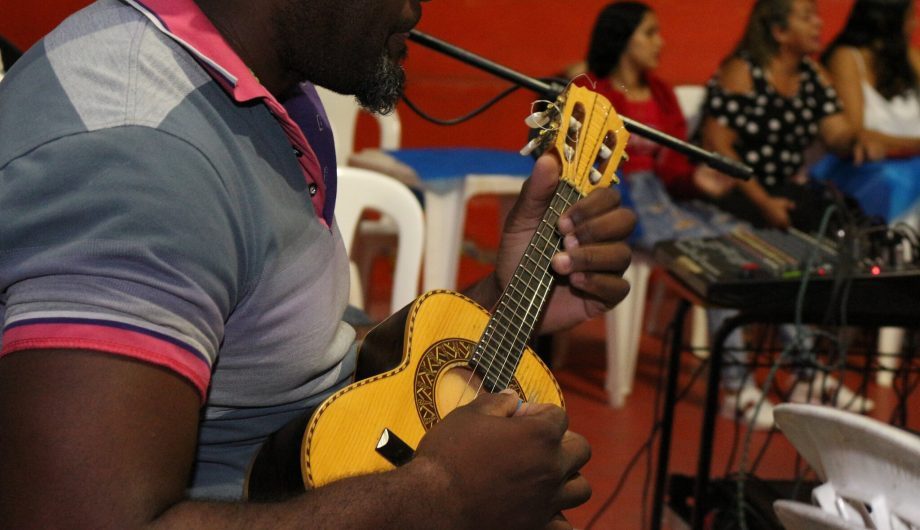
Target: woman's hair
(614, 27)
(757, 43)
(878, 25)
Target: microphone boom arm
(552, 90)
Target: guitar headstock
(587, 134)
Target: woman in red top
(625, 47)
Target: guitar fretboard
(515, 317)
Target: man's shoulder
(105, 66)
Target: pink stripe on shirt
(134, 344)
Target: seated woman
(624, 51)
(875, 72)
(766, 105)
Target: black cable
(787, 350)
(479, 110)
(656, 409)
(646, 445)
(466, 117)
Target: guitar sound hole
(444, 380)
(456, 386)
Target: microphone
(552, 89)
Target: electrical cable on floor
(649, 442)
(787, 350)
(656, 410)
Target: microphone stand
(552, 90)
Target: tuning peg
(530, 147)
(595, 176)
(605, 152)
(537, 120)
(569, 152)
(574, 125)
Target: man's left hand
(590, 266)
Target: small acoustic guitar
(446, 347)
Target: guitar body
(431, 380)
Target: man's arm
(94, 440)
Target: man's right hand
(505, 465)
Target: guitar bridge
(391, 447)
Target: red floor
(617, 434)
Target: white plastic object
(361, 189)
(605, 152)
(594, 176)
(860, 459)
(574, 125)
(569, 153)
(537, 120)
(530, 147)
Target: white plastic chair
(343, 111)
(800, 516)
(690, 98)
(870, 470)
(360, 190)
(624, 322)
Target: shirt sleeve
(728, 108)
(124, 241)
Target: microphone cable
(475, 112)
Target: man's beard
(381, 91)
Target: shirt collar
(185, 23)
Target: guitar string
(505, 304)
(537, 300)
(534, 306)
(495, 322)
(516, 343)
(527, 315)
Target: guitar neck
(501, 347)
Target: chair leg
(623, 331)
(444, 219)
(699, 336)
(651, 320)
(890, 341)
(639, 292)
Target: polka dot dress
(773, 130)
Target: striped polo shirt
(159, 204)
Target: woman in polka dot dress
(767, 105)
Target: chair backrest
(690, 98)
(342, 112)
(859, 459)
(360, 190)
(800, 516)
